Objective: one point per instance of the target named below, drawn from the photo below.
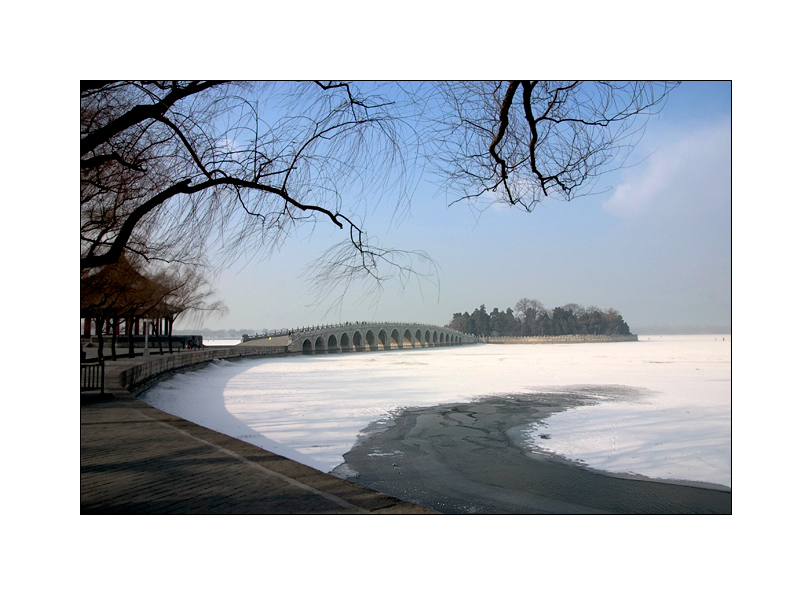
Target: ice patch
(221, 363)
(344, 471)
(377, 453)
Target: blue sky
(653, 242)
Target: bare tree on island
(166, 166)
(527, 307)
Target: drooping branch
(569, 133)
(140, 113)
(527, 98)
(123, 237)
(117, 247)
(99, 160)
(192, 153)
(504, 122)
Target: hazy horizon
(643, 330)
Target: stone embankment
(562, 339)
(136, 459)
(126, 375)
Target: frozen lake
(677, 424)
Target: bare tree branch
(139, 113)
(569, 132)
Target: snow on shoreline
(221, 342)
(311, 409)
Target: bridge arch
(395, 341)
(372, 342)
(373, 336)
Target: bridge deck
(364, 336)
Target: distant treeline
(532, 319)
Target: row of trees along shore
(532, 319)
(130, 298)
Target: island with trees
(531, 319)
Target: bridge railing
(344, 325)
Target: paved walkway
(136, 459)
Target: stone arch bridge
(365, 336)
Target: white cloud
(687, 173)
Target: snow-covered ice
(681, 430)
(221, 342)
(312, 408)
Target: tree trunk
(100, 335)
(115, 337)
(169, 332)
(130, 339)
(156, 326)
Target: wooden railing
(92, 376)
